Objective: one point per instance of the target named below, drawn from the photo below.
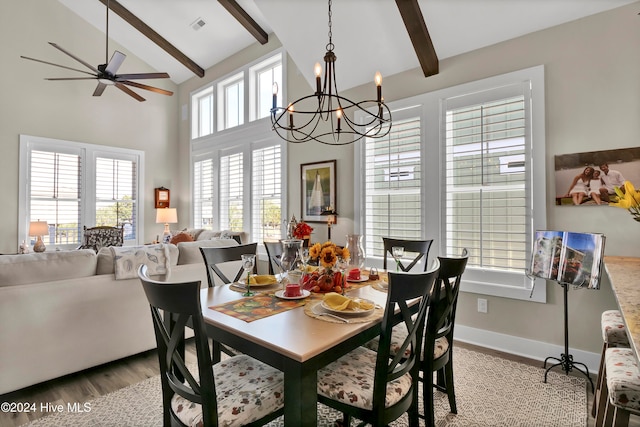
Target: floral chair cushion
(397, 338)
(623, 378)
(614, 333)
(97, 237)
(247, 390)
(350, 380)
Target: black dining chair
(236, 391)
(274, 251)
(419, 249)
(377, 387)
(214, 256)
(438, 339)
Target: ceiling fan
(106, 73)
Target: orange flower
(328, 257)
(314, 251)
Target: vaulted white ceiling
(368, 35)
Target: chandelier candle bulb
(378, 79)
(339, 116)
(290, 115)
(275, 97)
(318, 71)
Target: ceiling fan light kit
(106, 73)
(301, 120)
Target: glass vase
(356, 250)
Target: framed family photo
(318, 189)
(590, 178)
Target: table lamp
(37, 229)
(166, 216)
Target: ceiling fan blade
(70, 78)
(129, 91)
(115, 62)
(57, 65)
(146, 87)
(99, 89)
(142, 76)
(91, 67)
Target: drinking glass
(248, 262)
(397, 252)
(305, 257)
(289, 257)
(342, 265)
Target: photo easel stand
(566, 361)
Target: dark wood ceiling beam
(148, 32)
(245, 20)
(419, 35)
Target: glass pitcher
(290, 257)
(356, 250)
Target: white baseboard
(536, 350)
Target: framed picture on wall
(590, 178)
(162, 198)
(318, 189)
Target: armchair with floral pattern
(98, 237)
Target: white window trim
(475, 280)
(246, 69)
(89, 153)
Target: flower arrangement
(327, 254)
(628, 199)
(302, 230)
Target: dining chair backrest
(420, 249)
(173, 306)
(439, 327)
(390, 364)
(214, 256)
(274, 251)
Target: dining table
(292, 340)
(624, 274)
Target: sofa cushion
(181, 237)
(106, 261)
(129, 258)
(47, 266)
(189, 252)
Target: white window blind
(486, 185)
(392, 199)
(231, 192)
(116, 198)
(203, 196)
(55, 194)
(267, 193)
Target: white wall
(67, 110)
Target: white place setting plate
(356, 312)
(363, 278)
(280, 294)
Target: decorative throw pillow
(181, 237)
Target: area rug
(490, 391)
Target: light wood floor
(98, 381)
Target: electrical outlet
(482, 305)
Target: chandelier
(325, 116)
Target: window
(70, 185)
(393, 206)
(238, 182)
(267, 194)
(116, 194)
(263, 76)
(476, 180)
(231, 192)
(231, 102)
(234, 105)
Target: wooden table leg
(300, 396)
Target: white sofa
(62, 312)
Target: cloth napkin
(263, 279)
(338, 302)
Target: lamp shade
(166, 216)
(38, 228)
